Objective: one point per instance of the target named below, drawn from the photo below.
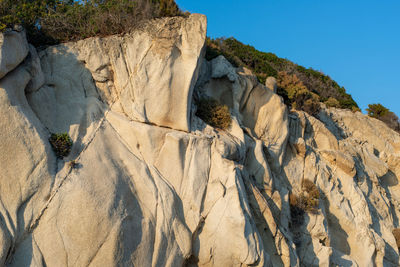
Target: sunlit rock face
(154, 185)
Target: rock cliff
(154, 185)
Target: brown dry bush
(297, 94)
(312, 194)
(289, 81)
(306, 201)
(214, 113)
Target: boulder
(14, 48)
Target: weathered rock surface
(154, 185)
(149, 74)
(271, 84)
(14, 48)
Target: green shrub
(382, 113)
(214, 113)
(377, 110)
(167, 8)
(332, 103)
(242, 55)
(212, 50)
(61, 144)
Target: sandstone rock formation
(154, 185)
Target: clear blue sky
(357, 43)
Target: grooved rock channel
(154, 185)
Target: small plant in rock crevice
(214, 113)
(61, 143)
(73, 164)
(306, 202)
(311, 194)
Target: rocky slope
(156, 186)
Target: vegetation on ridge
(53, 21)
(296, 94)
(268, 64)
(382, 113)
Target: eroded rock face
(14, 48)
(148, 74)
(154, 185)
(258, 108)
(359, 199)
